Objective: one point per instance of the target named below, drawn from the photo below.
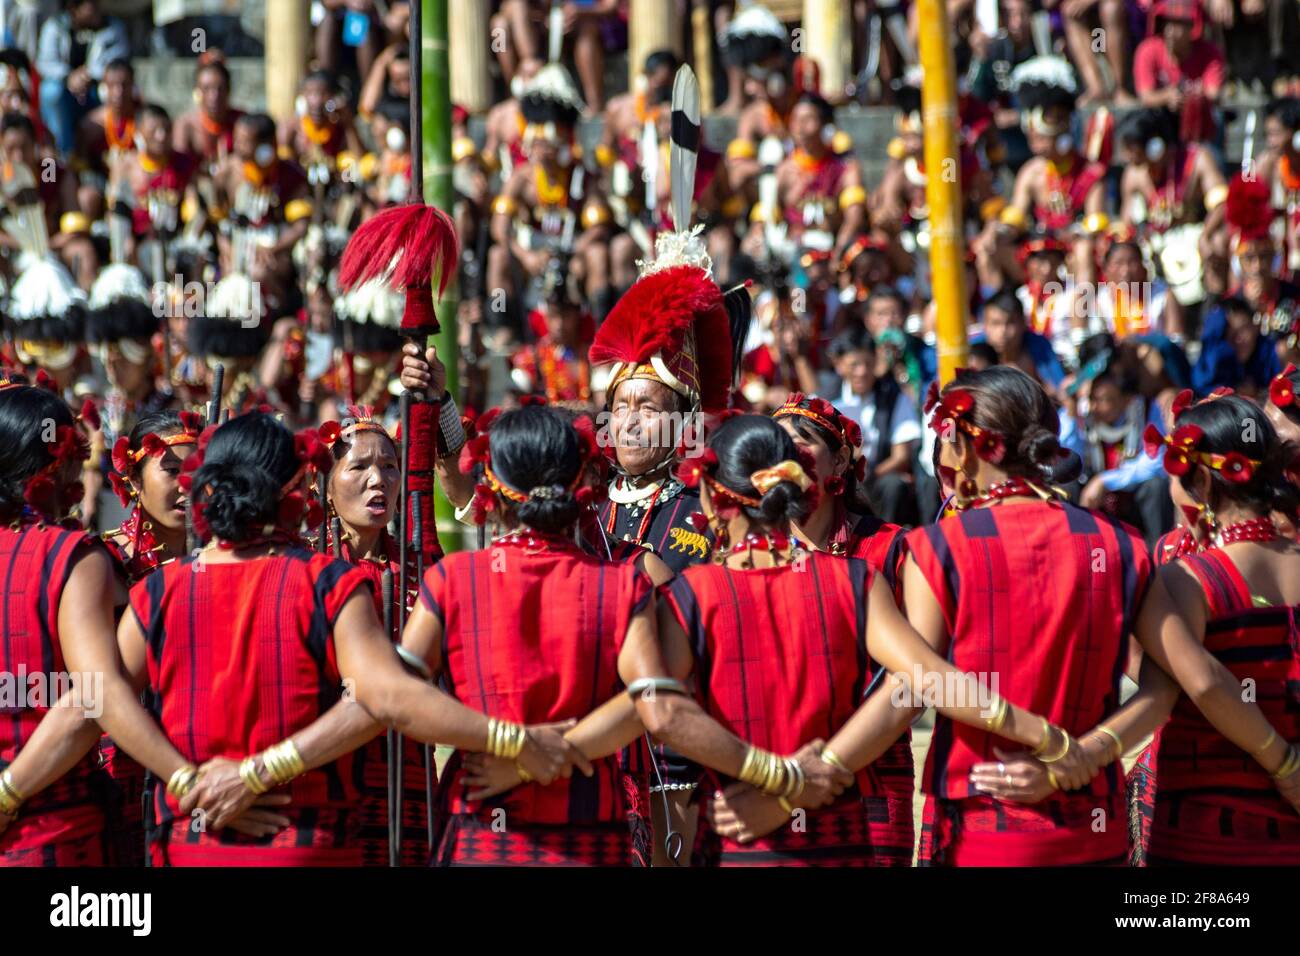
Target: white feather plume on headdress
(235, 297)
(1046, 71)
(553, 82)
(118, 280)
(373, 301)
(754, 20)
(45, 288)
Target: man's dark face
(18, 147)
(1105, 402)
(1243, 334)
(659, 83)
(641, 424)
(316, 93)
(85, 14)
(157, 135)
(214, 92)
(117, 88)
(1178, 37)
(806, 125)
(1003, 330)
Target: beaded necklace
(1252, 529)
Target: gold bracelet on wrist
(182, 781)
(1290, 764)
(506, 738)
(1047, 738)
(283, 762)
(999, 718)
(1051, 778)
(1067, 740)
(785, 805)
(11, 798)
(774, 778)
(1119, 744)
(1268, 742)
(252, 780)
(829, 756)
(749, 768)
(792, 772)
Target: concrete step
(168, 82)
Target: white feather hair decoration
(553, 82)
(118, 280)
(754, 19)
(44, 288)
(1046, 71)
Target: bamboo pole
(435, 85)
(943, 185)
(702, 41)
(651, 25)
(471, 81)
(827, 39)
(288, 39)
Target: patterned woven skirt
(68, 836)
(370, 774)
(853, 831)
(1224, 829)
(318, 837)
(470, 841)
(1065, 830)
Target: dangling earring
(966, 491)
(833, 486)
(1201, 522)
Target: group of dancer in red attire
(703, 652)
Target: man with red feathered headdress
(665, 356)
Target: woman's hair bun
(784, 501)
(237, 502)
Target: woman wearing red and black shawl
(362, 492)
(1062, 587)
(1216, 802)
(266, 664)
(787, 645)
(531, 630)
(1012, 586)
(842, 524)
(51, 806)
(146, 470)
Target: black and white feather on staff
(684, 151)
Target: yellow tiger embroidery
(684, 540)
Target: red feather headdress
(1248, 209)
(410, 247)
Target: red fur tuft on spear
(410, 247)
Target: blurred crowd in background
(1124, 237)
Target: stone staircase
(168, 82)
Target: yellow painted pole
(943, 185)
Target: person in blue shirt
(1120, 479)
(1235, 352)
(1006, 330)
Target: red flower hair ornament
(294, 510)
(1181, 454)
(956, 406)
(490, 488)
(1281, 391)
